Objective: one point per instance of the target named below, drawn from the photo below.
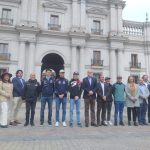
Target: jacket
(110, 96)
(47, 87)
(143, 93)
(100, 93)
(18, 87)
(6, 91)
(61, 87)
(119, 92)
(130, 100)
(75, 88)
(87, 87)
(31, 90)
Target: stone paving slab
(64, 138)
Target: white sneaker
(105, 122)
(110, 123)
(64, 124)
(56, 124)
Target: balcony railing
(133, 28)
(97, 31)
(5, 56)
(95, 62)
(6, 21)
(54, 27)
(135, 65)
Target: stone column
(83, 13)
(33, 15)
(120, 22)
(74, 13)
(22, 56)
(120, 63)
(82, 63)
(24, 9)
(113, 65)
(31, 60)
(73, 59)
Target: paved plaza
(65, 138)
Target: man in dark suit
(89, 87)
(102, 94)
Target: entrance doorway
(52, 61)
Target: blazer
(100, 91)
(143, 95)
(18, 88)
(87, 87)
(6, 90)
(130, 100)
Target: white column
(120, 63)
(73, 59)
(113, 19)
(113, 65)
(22, 56)
(120, 23)
(74, 12)
(83, 13)
(31, 58)
(82, 63)
(24, 9)
(33, 15)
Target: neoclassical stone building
(74, 35)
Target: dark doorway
(52, 61)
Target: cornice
(11, 1)
(97, 11)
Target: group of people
(18, 91)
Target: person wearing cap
(18, 87)
(89, 86)
(75, 89)
(47, 93)
(31, 92)
(109, 100)
(6, 95)
(102, 97)
(61, 89)
(119, 100)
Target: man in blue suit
(18, 89)
(89, 87)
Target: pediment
(98, 11)
(55, 5)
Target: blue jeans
(142, 112)
(64, 104)
(119, 106)
(77, 103)
(49, 100)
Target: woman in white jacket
(6, 89)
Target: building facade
(73, 35)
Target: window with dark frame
(6, 17)
(134, 60)
(96, 61)
(3, 48)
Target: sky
(136, 10)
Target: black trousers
(30, 106)
(134, 111)
(149, 111)
(109, 106)
(101, 108)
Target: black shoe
(86, 125)
(94, 124)
(13, 124)
(71, 125)
(99, 124)
(4, 126)
(80, 125)
(141, 124)
(121, 123)
(129, 123)
(32, 124)
(145, 124)
(41, 123)
(135, 124)
(115, 124)
(50, 123)
(26, 124)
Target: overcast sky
(136, 10)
